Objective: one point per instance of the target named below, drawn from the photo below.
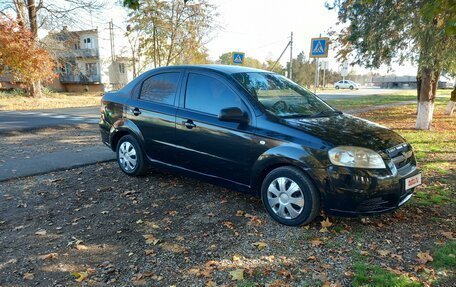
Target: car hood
(348, 130)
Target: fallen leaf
(229, 224)
(48, 256)
(81, 247)
(41, 232)
(316, 242)
(139, 221)
(150, 239)
(172, 212)
(152, 224)
(447, 234)
(237, 274)
(383, 253)
(149, 252)
(236, 257)
(424, 257)
(326, 223)
(28, 276)
(394, 271)
(80, 276)
(240, 213)
(364, 253)
(176, 248)
(260, 245)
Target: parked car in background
(256, 131)
(346, 84)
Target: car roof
(225, 69)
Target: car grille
(375, 204)
(401, 155)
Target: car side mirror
(233, 114)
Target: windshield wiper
(325, 114)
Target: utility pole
(290, 75)
(111, 39)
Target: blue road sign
(238, 58)
(319, 47)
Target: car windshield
(282, 97)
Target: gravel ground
(101, 227)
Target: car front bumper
(351, 191)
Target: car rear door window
(160, 88)
(209, 95)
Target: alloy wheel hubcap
(127, 156)
(285, 198)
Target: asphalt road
(44, 161)
(11, 121)
(347, 94)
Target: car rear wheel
(290, 197)
(130, 156)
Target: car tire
(286, 203)
(130, 156)
(337, 87)
(351, 87)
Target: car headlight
(352, 156)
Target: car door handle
(136, 111)
(189, 124)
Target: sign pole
(316, 75)
(324, 73)
(318, 49)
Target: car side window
(160, 88)
(209, 95)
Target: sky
(259, 28)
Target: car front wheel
(130, 156)
(351, 87)
(337, 87)
(290, 197)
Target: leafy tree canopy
(20, 55)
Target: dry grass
(11, 101)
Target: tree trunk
(34, 89)
(451, 104)
(429, 80)
(418, 88)
(31, 6)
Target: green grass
(369, 101)
(383, 99)
(369, 275)
(445, 256)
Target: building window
(88, 43)
(122, 68)
(91, 69)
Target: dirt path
(98, 225)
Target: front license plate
(413, 181)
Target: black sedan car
(256, 131)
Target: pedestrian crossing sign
(319, 47)
(238, 58)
